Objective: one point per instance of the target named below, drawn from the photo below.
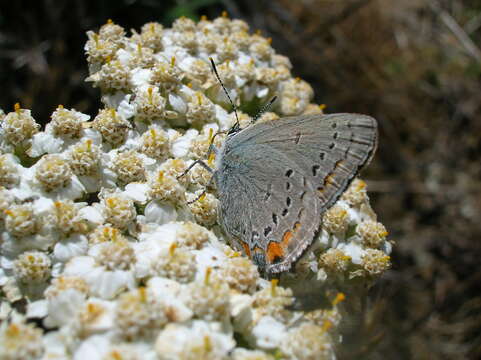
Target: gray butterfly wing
(292, 169)
(266, 208)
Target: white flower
(63, 307)
(137, 192)
(167, 293)
(141, 77)
(268, 333)
(19, 340)
(160, 213)
(94, 316)
(353, 250)
(103, 283)
(152, 245)
(27, 227)
(94, 348)
(37, 309)
(45, 143)
(104, 348)
(180, 146)
(51, 178)
(118, 209)
(244, 354)
(58, 344)
(210, 256)
(308, 342)
(91, 214)
(74, 245)
(200, 340)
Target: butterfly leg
(201, 163)
(211, 180)
(203, 192)
(212, 149)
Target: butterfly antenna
(226, 92)
(263, 110)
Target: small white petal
(262, 92)
(56, 345)
(94, 348)
(222, 116)
(5, 310)
(126, 109)
(92, 214)
(113, 100)
(240, 81)
(3, 277)
(137, 192)
(177, 103)
(180, 147)
(160, 213)
(321, 275)
(163, 287)
(186, 91)
(57, 269)
(63, 307)
(45, 143)
(93, 135)
(123, 56)
(79, 266)
(208, 256)
(66, 249)
(269, 333)
(90, 183)
(355, 251)
(108, 284)
(72, 191)
(240, 302)
(22, 193)
(386, 247)
(37, 309)
(105, 320)
(164, 234)
(141, 77)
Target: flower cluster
(99, 236)
(354, 244)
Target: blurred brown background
(415, 65)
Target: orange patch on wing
(278, 250)
(274, 251)
(287, 236)
(246, 248)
